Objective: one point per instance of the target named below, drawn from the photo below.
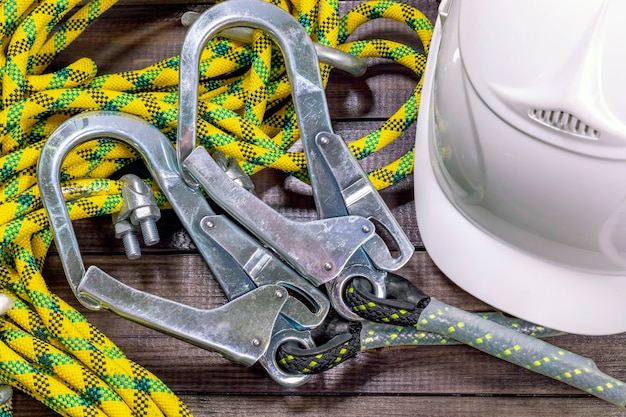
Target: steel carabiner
(343, 243)
(319, 249)
(261, 314)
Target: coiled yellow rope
(47, 348)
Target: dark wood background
(421, 381)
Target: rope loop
(402, 306)
(345, 344)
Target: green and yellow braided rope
(47, 349)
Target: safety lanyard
(48, 350)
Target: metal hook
(341, 188)
(255, 281)
(319, 249)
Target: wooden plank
(424, 406)
(376, 405)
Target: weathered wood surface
(424, 381)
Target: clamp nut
(140, 208)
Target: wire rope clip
(139, 211)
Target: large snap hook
(319, 249)
(261, 311)
(344, 197)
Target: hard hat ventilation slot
(564, 122)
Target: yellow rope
(47, 348)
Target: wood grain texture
(425, 381)
(368, 405)
(402, 406)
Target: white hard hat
(520, 170)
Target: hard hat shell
(520, 173)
